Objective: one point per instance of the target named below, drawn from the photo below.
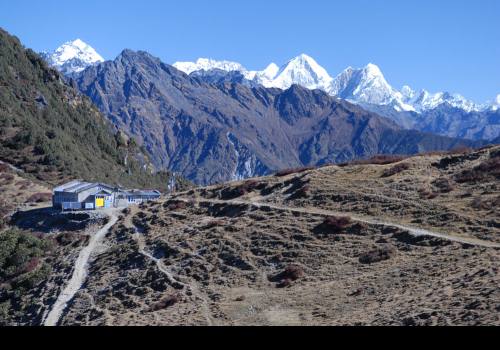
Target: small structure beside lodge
(79, 195)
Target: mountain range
(365, 85)
(214, 121)
(227, 131)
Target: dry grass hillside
(400, 242)
(17, 192)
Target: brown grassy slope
(236, 264)
(457, 194)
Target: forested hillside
(53, 133)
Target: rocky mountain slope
(216, 131)
(51, 132)
(390, 241)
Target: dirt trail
(205, 308)
(79, 274)
(371, 221)
(12, 167)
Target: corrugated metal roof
(67, 185)
(79, 186)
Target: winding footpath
(80, 273)
(417, 232)
(205, 309)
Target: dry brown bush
(398, 168)
(175, 205)
(165, 302)
(444, 185)
(290, 274)
(336, 223)
(426, 193)
(293, 272)
(377, 255)
(489, 169)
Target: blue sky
(438, 45)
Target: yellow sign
(99, 202)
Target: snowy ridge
(424, 100)
(73, 57)
(207, 64)
(365, 85)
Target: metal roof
(141, 193)
(79, 186)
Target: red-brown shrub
(288, 275)
(165, 303)
(377, 255)
(247, 187)
(444, 185)
(398, 168)
(293, 272)
(175, 205)
(488, 169)
(425, 193)
(336, 223)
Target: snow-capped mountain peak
(272, 71)
(208, 64)
(302, 70)
(367, 86)
(73, 57)
(372, 70)
(265, 76)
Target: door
(99, 202)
